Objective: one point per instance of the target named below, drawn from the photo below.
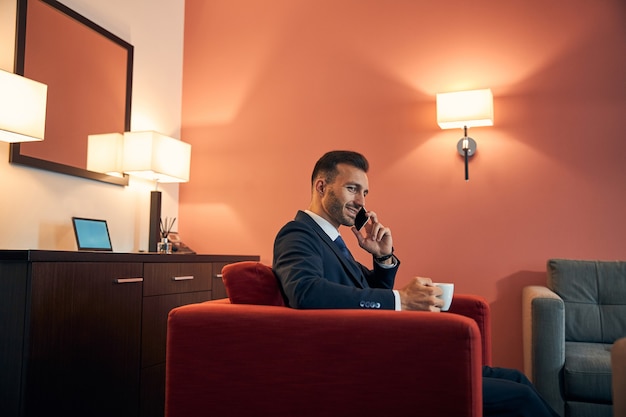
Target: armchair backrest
(594, 294)
(252, 282)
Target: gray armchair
(569, 327)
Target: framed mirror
(88, 71)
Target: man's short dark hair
(327, 164)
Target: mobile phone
(360, 219)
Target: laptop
(92, 234)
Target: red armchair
(234, 358)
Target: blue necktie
(342, 246)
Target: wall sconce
(22, 108)
(465, 109)
(148, 155)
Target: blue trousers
(507, 392)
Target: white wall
(36, 205)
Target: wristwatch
(383, 258)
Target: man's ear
(320, 186)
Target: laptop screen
(91, 234)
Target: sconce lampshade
(465, 109)
(105, 153)
(22, 108)
(156, 157)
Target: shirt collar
(328, 228)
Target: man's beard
(336, 210)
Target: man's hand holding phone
(377, 239)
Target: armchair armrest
(618, 368)
(234, 359)
(543, 317)
(476, 308)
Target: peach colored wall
(270, 86)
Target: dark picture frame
(89, 77)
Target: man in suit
(316, 270)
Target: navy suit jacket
(315, 274)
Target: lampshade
(22, 108)
(105, 153)
(156, 157)
(465, 109)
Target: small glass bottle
(164, 246)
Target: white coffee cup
(448, 292)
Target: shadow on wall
(506, 317)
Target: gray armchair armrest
(618, 367)
(544, 342)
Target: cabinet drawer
(173, 278)
(154, 325)
(218, 290)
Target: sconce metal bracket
(472, 147)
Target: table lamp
(156, 157)
(146, 154)
(22, 108)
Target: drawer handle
(218, 276)
(183, 278)
(128, 280)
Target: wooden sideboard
(84, 333)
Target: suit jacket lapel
(351, 266)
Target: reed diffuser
(165, 246)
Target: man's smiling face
(342, 199)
